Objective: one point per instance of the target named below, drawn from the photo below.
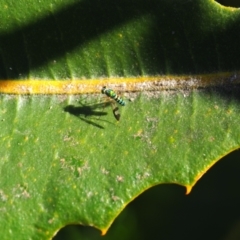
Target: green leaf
(65, 158)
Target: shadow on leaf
(84, 111)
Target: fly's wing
(115, 111)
